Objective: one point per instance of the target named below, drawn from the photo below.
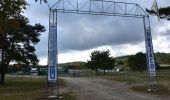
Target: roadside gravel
(101, 89)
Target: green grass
(25, 89)
(21, 89)
(137, 77)
(163, 75)
(129, 78)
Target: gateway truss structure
(105, 8)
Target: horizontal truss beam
(99, 7)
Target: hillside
(72, 65)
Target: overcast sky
(78, 35)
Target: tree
(168, 59)
(164, 12)
(10, 11)
(100, 60)
(163, 58)
(18, 37)
(137, 62)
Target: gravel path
(101, 89)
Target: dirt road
(101, 89)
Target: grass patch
(24, 89)
(21, 89)
(163, 75)
(127, 78)
(138, 78)
(163, 90)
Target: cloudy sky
(78, 35)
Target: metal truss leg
(151, 68)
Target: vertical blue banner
(150, 53)
(52, 53)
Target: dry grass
(21, 89)
(26, 89)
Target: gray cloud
(86, 32)
(83, 32)
(167, 32)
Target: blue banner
(52, 53)
(150, 54)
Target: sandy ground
(101, 89)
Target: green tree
(18, 37)
(168, 59)
(137, 62)
(164, 12)
(10, 11)
(100, 60)
(163, 58)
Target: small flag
(155, 8)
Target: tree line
(103, 61)
(138, 62)
(73, 65)
(163, 58)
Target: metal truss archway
(99, 7)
